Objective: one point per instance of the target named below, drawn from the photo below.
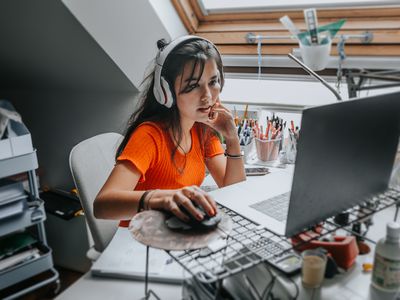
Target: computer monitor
(345, 154)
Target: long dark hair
(195, 51)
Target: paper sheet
(126, 258)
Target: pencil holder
(316, 56)
(268, 150)
(249, 151)
(289, 150)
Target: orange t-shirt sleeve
(213, 146)
(142, 149)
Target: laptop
(345, 154)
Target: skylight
(224, 6)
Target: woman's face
(195, 97)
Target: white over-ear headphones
(162, 90)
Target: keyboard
(266, 247)
(277, 253)
(275, 207)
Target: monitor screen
(345, 154)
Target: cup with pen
(268, 144)
(289, 149)
(268, 149)
(246, 140)
(315, 48)
(316, 56)
(315, 43)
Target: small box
(19, 139)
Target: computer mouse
(206, 224)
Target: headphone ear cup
(168, 98)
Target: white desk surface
(354, 284)
(96, 288)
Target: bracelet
(141, 201)
(233, 156)
(147, 200)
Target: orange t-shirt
(150, 148)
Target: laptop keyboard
(275, 207)
(265, 247)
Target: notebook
(124, 257)
(345, 154)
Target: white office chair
(91, 162)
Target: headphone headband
(161, 88)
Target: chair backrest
(91, 162)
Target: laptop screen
(345, 153)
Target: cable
(397, 211)
(277, 277)
(267, 292)
(252, 289)
(259, 60)
(269, 287)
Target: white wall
(128, 30)
(169, 17)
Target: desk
(96, 288)
(352, 285)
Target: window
(229, 6)
(227, 26)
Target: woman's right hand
(221, 119)
(188, 197)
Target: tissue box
(18, 141)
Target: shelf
(34, 214)
(18, 164)
(27, 269)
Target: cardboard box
(19, 139)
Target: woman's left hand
(221, 120)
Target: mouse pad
(149, 228)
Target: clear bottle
(386, 272)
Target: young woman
(171, 138)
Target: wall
(169, 18)
(59, 120)
(128, 30)
(60, 80)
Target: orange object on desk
(344, 249)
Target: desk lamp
(315, 75)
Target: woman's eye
(213, 82)
(191, 87)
